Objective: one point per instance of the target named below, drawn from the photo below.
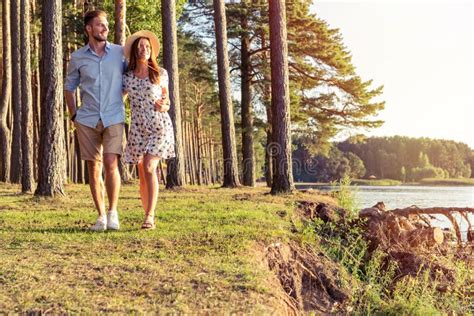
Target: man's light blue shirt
(100, 83)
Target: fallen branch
(445, 211)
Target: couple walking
(105, 73)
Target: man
(97, 70)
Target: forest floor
(214, 250)
(201, 257)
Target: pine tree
(26, 100)
(248, 155)
(175, 175)
(15, 166)
(6, 94)
(52, 163)
(281, 123)
(231, 178)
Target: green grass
(204, 255)
(449, 182)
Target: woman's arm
(163, 104)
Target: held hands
(163, 104)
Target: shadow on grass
(130, 197)
(11, 194)
(66, 230)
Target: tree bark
(281, 124)
(231, 174)
(429, 236)
(268, 159)
(15, 167)
(267, 101)
(119, 27)
(248, 155)
(175, 171)
(26, 101)
(52, 164)
(199, 149)
(189, 140)
(5, 148)
(36, 96)
(119, 38)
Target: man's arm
(70, 86)
(71, 104)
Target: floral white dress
(151, 131)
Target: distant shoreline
(391, 182)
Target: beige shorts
(92, 141)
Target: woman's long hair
(153, 69)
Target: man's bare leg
(96, 185)
(112, 179)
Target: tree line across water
(400, 158)
(245, 77)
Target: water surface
(405, 196)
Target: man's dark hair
(90, 15)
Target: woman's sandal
(149, 223)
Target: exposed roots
(308, 279)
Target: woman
(151, 135)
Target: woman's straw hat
(155, 44)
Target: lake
(405, 196)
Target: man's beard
(99, 39)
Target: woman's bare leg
(150, 164)
(143, 185)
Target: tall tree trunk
(175, 171)
(248, 155)
(198, 133)
(78, 161)
(268, 154)
(5, 148)
(52, 164)
(190, 146)
(281, 133)
(66, 123)
(211, 158)
(15, 167)
(119, 38)
(267, 101)
(36, 95)
(26, 101)
(36, 107)
(231, 173)
(119, 17)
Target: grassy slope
(196, 260)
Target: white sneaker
(113, 220)
(99, 226)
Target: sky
(422, 53)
